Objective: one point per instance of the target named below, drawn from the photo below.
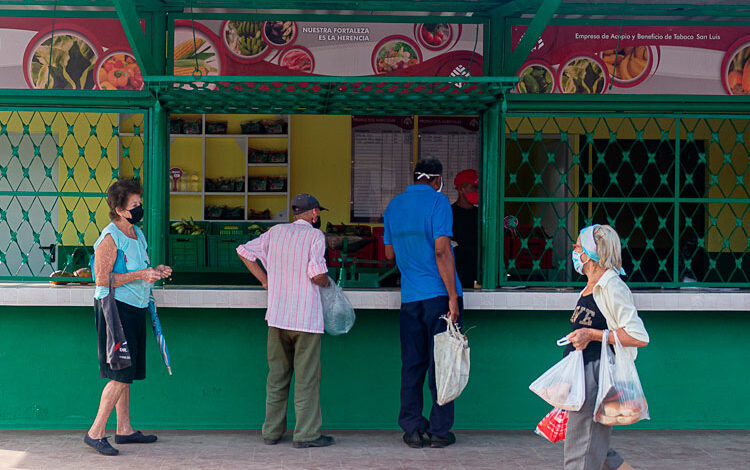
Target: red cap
(466, 176)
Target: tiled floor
(475, 450)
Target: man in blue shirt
(418, 231)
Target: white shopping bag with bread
(564, 384)
(620, 399)
(452, 363)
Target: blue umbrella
(159, 335)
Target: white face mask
(430, 175)
(577, 263)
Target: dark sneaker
(440, 442)
(414, 439)
(135, 438)
(100, 445)
(271, 442)
(322, 441)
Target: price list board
(452, 140)
(382, 159)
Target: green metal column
(157, 165)
(491, 234)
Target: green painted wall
(694, 373)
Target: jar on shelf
(195, 185)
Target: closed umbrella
(159, 334)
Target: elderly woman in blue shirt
(124, 240)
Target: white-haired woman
(606, 303)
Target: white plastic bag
(564, 384)
(338, 313)
(452, 363)
(620, 399)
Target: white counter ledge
(40, 294)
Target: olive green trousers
(298, 353)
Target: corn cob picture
(189, 54)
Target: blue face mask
(577, 263)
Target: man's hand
(453, 310)
(321, 280)
(264, 283)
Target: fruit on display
(353, 230)
(256, 230)
(187, 227)
(60, 274)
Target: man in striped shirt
(293, 255)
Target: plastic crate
(222, 251)
(229, 228)
(187, 251)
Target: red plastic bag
(553, 426)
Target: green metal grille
(327, 95)
(55, 168)
(673, 188)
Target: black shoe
(440, 442)
(100, 445)
(414, 439)
(135, 438)
(271, 442)
(322, 441)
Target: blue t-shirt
(413, 221)
(135, 293)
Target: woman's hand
(581, 337)
(151, 275)
(165, 270)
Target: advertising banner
(244, 47)
(683, 60)
(87, 54)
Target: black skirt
(133, 321)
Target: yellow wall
(321, 162)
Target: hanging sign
(697, 60)
(75, 54)
(245, 47)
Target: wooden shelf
(251, 136)
(211, 151)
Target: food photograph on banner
(74, 54)
(637, 59)
(251, 47)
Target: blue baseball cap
(305, 202)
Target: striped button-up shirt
(292, 254)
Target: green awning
(330, 95)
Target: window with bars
(673, 187)
(55, 169)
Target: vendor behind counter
(466, 226)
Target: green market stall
(666, 169)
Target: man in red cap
(465, 226)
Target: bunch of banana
(250, 40)
(187, 227)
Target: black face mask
(136, 214)
(316, 224)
